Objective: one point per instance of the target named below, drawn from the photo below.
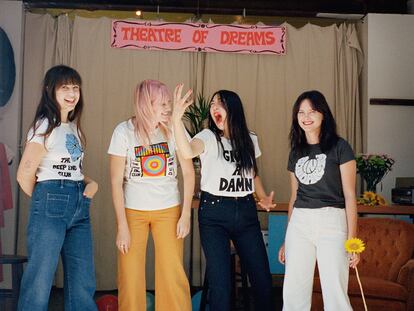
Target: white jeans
(316, 235)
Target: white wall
(390, 67)
(11, 20)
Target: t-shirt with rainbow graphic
(150, 176)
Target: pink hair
(146, 93)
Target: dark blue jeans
(59, 225)
(221, 220)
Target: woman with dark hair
(50, 172)
(228, 152)
(322, 208)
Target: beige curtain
(323, 58)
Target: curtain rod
(175, 9)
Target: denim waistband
(209, 196)
(62, 182)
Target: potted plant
(197, 114)
(373, 168)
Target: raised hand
(181, 102)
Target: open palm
(181, 102)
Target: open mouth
(307, 123)
(218, 118)
(70, 101)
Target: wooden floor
(56, 300)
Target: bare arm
(187, 149)
(26, 173)
(293, 193)
(183, 225)
(117, 166)
(348, 178)
(265, 201)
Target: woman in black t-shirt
(322, 208)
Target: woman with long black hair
(322, 208)
(50, 172)
(228, 152)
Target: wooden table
(393, 209)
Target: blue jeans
(223, 219)
(59, 224)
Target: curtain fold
(348, 67)
(323, 58)
(63, 40)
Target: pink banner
(191, 37)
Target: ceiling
(259, 7)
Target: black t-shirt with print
(319, 176)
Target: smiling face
(67, 96)
(162, 110)
(309, 119)
(218, 113)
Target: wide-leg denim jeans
(59, 224)
(223, 219)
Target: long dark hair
(328, 136)
(239, 134)
(48, 107)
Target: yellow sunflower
(381, 200)
(354, 245)
(369, 196)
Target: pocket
(297, 216)
(248, 213)
(34, 206)
(207, 203)
(335, 220)
(56, 204)
(36, 200)
(342, 221)
(86, 204)
(209, 210)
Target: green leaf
(197, 113)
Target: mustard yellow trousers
(172, 291)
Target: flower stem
(362, 291)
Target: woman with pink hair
(143, 167)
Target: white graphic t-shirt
(219, 174)
(64, 156)
(150, 181)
